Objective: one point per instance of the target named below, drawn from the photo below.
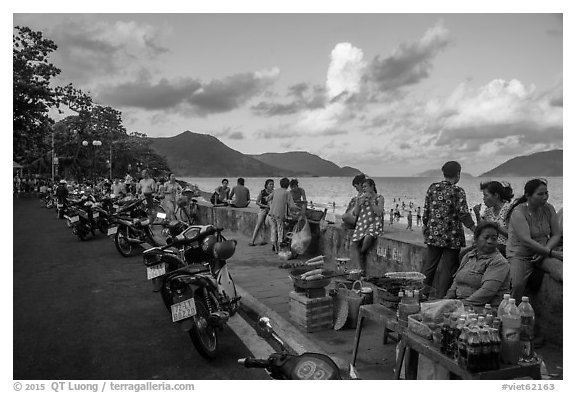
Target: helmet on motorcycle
(225, 249)
(208, 244)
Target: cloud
(236, 135)
(497, 110)
(189, 96)
(303, 98)
(409, 63)
(90, 48)
(345, 71)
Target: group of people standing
(511, 238)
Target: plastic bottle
(496, 346)
(511, 346)
(526, 330)
(474, 350)
(463, 347)
(456, 327)
(488, 316)
(481, 322)
(486, 350)
(400, 301)
(503, 303)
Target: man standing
(445, 210)
(146, 187)
(118, 188)
(240, 195)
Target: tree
(32, 94)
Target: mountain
(305, 164)
(192, 154)
(438, 173)
(547, 163)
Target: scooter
(285, 366)
(200, 294)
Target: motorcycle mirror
(264, 327)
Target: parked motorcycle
(131, 228)
(200, 293)
(285, 366)
(82, 217)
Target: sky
(392, 94)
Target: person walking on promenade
(497, 197)
(146, 188)
(418, 217)
(171, 192)
(409, 219)
(369, 210)
(391, 217)
(262, 202)
(117, 187)
(298, 195)
(62, 197)
(445, 210)
(240, 195)
(348, 217)
(533, 233)
(280, 200)
(221, 194)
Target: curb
(291, 336)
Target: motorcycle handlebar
(254, 363)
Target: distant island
(547, 163)
(193, 154)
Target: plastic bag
(302, 237)
(432, 312)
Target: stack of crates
(311, 314)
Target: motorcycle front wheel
(202, 334)
(123, 246)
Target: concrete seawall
(394, 251)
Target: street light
(95, 143)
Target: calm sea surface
(323, 191)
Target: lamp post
(95, 144)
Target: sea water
(334, 193)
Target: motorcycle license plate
(112, 230)
(161, 215)
(74, 219)
(156, 271)
(183, 310)
(145, 222)
(59, 205)
(95, 214)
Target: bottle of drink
(459, 329)
(445, 333)
(488, 316)
(486, 350)
(496, 346)
(503, 303)
(463, 347)
(511, 346)
(474, 350)
(526, 330)
(454, 333)
(481, 322)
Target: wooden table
(385, 316)
(411, 346)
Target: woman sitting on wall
(369, 209)
(484, 274)
(533, 233)
(348, 218)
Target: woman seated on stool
(484, 274)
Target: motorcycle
(285, 366)
(195, 284)
(131, 228)
(82, 217)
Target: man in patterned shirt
(445, 210)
